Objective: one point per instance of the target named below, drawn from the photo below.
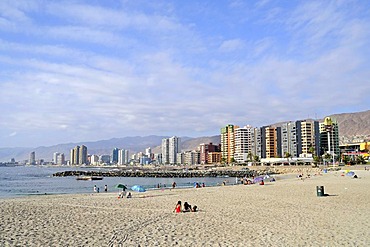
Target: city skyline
(76, 71)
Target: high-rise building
(300, 138)
(32, 159)
(256, 142)
(329, 137)
(243, 144)
(94, 160)
(79, 155)
(114, 158)
(228, 142)
(58, 158)
(170, 148)
(165, 151)
(121, 157)
(83, 155)
(272, 142)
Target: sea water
(38, 180)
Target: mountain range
(350, 126)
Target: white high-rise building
(121, 157)
(243, 143)
(170, 148)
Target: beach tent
(138, 188)
(350, 174)
(258, 179)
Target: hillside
(353, 124)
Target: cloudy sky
(74, 71)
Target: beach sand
(287, 212)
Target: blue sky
(74, 71)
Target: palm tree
(316, 160)
(287, 156)
(360, 159)
(346, 159)
(250, 156)
(256, 158)
(327, 157)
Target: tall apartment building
(94, 160)
(228, 142)
(79, 155)
(170, 148)
(256, 142)
(271, 141)
(329, 128)
(32, 159)
(289, 140)
(243, 143)
(114, 158)
(205, 149)
(310, 137)
(299, 137)
(123, 157)
(59, 158)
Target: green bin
(320, 190)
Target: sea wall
(164, 174)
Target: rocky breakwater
(164, 174)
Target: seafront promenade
(286, 212)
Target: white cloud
(13, 134)
(231, 45)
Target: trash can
(320, 190)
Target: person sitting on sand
(194, 209)
(178, 207)
(187, 207)
(129, 195)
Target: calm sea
(36, 180)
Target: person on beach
(95, 188)
(129, 195)
(194, 209)
(178, 207)
(173, 185)
(106, 188)
(187, 207)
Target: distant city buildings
(170, 147)
(79, 155)
(58, 158)
(293, 140)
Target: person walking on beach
(173, 185)
(105, 188)
(95, 188)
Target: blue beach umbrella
(350, 174)
(138, 188)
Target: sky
(75, 71)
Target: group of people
(97, 189)
(187, 208)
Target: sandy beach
(287, 212)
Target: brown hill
(353, 124)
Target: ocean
(21, 181)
